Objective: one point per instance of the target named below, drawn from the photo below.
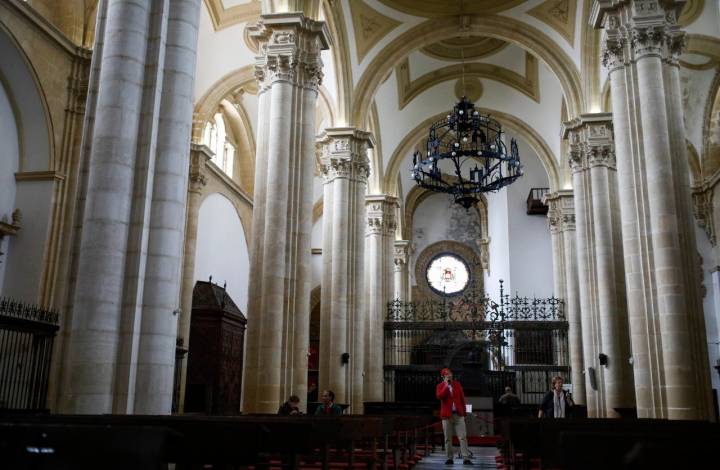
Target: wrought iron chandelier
(466, 155)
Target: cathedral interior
(209, 206)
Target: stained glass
(448, 274)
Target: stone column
(289, 72)
(592, 154)
(161, 294)
(561, 218)
(345, 168)
(92, 349)
(199, 156)
(380, 237)
(402, 275)
(643, 41)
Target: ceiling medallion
(466, 155)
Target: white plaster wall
(696, 86)
(26, 251)
(222, 250)
(219, 53)
(498, 233)
(531, 272)
(710, 307)
(437, 219)
(9, 165)
(708, 22)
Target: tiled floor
(483, 457)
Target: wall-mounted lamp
(603, 359)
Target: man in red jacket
(452, 412)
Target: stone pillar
(380, 237)
(289, 72)
(345, 168)
(592, 155)
(199, 156)
(161, 294)
(91, 357)
(640, 51)
(402, 275)
(561, 218)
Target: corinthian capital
(591, 141)
(199, 156)
(381, 219)
(290, 45)
(343, 153)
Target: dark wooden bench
(190, 441)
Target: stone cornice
(39, 176)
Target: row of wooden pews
(200, 442)
(589, 444)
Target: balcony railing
(535, 204)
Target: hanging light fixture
(466, 155)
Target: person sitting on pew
(328, 406)
(290, 407)
(509, 398)
(452, 412)
(557, 403)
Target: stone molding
(290, 45)
(343, 154)
(561, 213)
(591, 141)
(381, 218)
(401, 253)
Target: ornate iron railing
(475, 306)
(27, 333)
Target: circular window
(447, 274)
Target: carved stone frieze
(381, 218)
(289, 50)
(591, 141)
(343, 154)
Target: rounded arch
(498, 27)
(208, 104)
(510, 122)
(29, 104)
(241, 213)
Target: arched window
(216, 138)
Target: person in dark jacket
(557, 403)
(452, 412)
(509, 398)
(327, 404)
(290, 407)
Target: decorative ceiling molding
(502, 27)
(435, 9)
(559, 15)
(707, 46)
(691, 12)
(369, 26)
(223, 17)
(464, 48)
(529, 84)
(470, 87)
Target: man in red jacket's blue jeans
(452, 412)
